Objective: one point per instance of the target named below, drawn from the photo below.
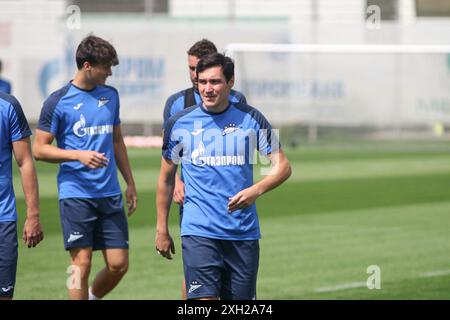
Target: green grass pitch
(345, 208)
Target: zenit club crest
(229, 129)
(102, 101)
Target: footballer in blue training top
(188, 98)
(83, 117)
(84, 120)
(14, 137)
(215, 172)
(215, 141)
(13, 127)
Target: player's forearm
(121, 156)
(30, 187)
(50, 153)
(178, 179)
(164, 196)
(279, 172)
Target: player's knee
(82, 261)
(84, 266)
(118, 267)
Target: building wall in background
(37, 46)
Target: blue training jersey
(217, 154)
(175, 103)
(84, 120)
(13, 127)
(5, 86)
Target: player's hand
(32, 232)
(242, 199)
(178, 192)
(164, 245)
(131, 195)
(92, 159)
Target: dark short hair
(214, 60)
(202, 48)
(95, 50)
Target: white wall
(38, 52)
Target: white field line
(437, 273)
(342, 286)
(354, 285)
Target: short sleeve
(18, 123)
(171, 149)
(268, 141)
(48, 120)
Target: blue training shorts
(99, 223)
(226, 269)
(8, 258)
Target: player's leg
(203, 267)
(183, 290)
(183, 285)
(116, 261)
(78, 218)
(80, 260)
(110, 236)
(8, 259)
(241, 259)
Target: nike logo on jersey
(75, 236)
(78, 106)
(197, 132)
(9, 288)
(102, 102)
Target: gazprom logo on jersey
(80, 129)
(228, 146)
(198, 158)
